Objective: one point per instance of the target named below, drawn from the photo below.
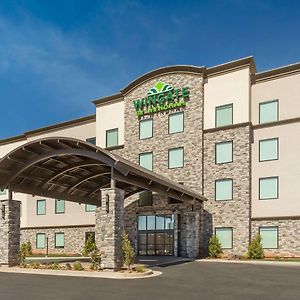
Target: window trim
(224, 179)
(264, 140)
(172, 114)
(59, 213)
(222, 106)
(267, 102)
(183, 154)
(36, 241)
(269, 177)
(143, 153)
(277, 246)
(140, 129)
(231, 235)
(110, 130)
(59, 247)
(37, 207)
(227, 162)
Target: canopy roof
(70, 169)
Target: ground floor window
(269, 237)
(40, 241)
(59, 240)
(156, 235)
(224, 235)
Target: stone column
(109, 228)
(9, 232)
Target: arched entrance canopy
(73, 170)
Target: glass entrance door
(156, 235)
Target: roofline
(47, 129)
(281, 71)
(115, 97)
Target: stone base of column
(9, 232)
(109, 228)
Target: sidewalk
(253, 262)
(101, 274)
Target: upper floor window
(3, 192)
(176, 122)
(224, 115)
(223, 152)
(91, 140)
(146, 129)
(59, 206)
(146, 160)
(41, 207)
(268, 111)
(224, 189)
(112, 137)
(90, 208)
(145, 198)
(269, 237)
(176, 158)
(268, 188)
(224, 235)
(268, 149)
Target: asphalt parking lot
(186, 281)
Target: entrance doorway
(156, 235)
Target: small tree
(89, 246)
(95, 260)
(25, 250)
(255, 249)
(214, 247)
(128, 251)
(28, 248)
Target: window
(145, 198)
(269, 237)
(90, 208)
(223, 115)
(176, 122)
(268, 111)
(268, 188)
(268, 149)
(151, 222)
(41, 207)
(91, 140)
(59, 206)
(176, 159)
(224, 189)
(40, 241)
(3, 192)
(225, 237)
(146, 129)
(146, 160)
(224, 152)
(112, 138)
(59, 240)
(90, 234)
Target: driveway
(187, 281)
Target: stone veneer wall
(74, 238)
(232, 213)
(288, 236)
(191, 139)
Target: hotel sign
(162, 97)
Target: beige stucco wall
(232, 87)
(6, 148)
(287, 168)
(109, 116)
(285, 89)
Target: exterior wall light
(107, 203)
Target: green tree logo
(160, 87)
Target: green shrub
(214, 247)
(128, 251)
(77, 266)
(25, 250)
(28, 248)
(34, 265)
(53, 266)
(96, 260)
(255, 249)
(89, 246)
(140, 269)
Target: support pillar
(9, 232)
(109, 228)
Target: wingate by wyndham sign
(161, 97)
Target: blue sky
(56, 56)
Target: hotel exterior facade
(226, 132)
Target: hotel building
(228, 133)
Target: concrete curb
(253, 262)
(102, 274)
